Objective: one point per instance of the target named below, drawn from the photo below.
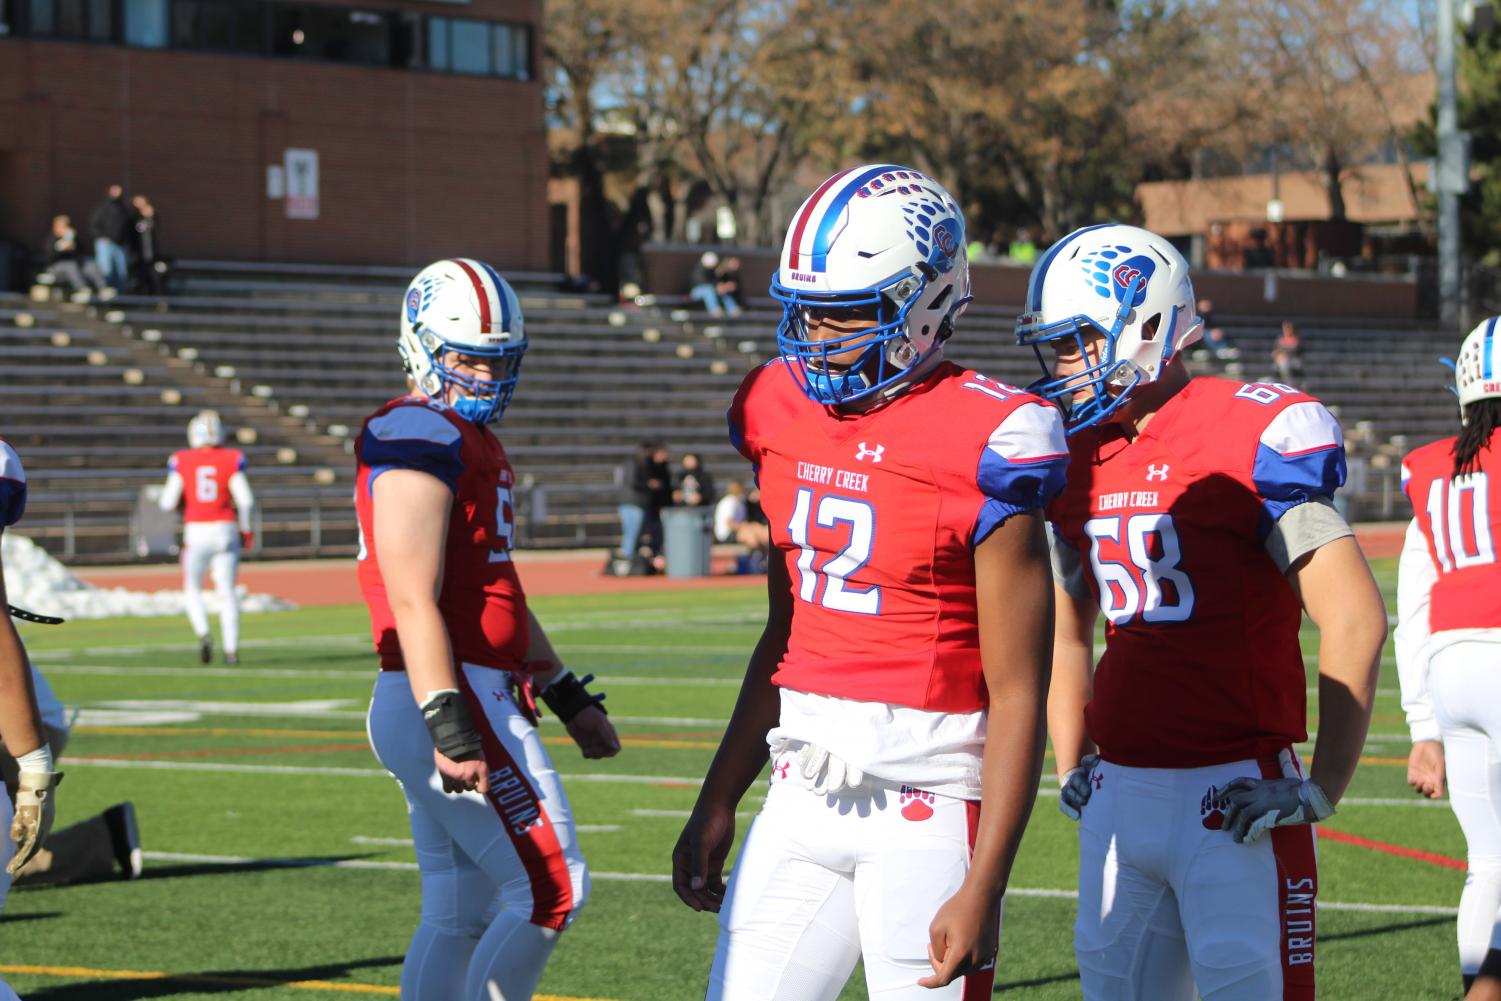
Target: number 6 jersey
(483, 606)
(1183, 535)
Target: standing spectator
(67, 265)
(149, 276)
(113, 228)
(635, 498)
(695, 487)
(659, 495)
(1287, 354)
(704, 285)
(727, 284)
(209, 481)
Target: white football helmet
(1477, 370)
(462, 305)
(1128, 285)
(883, 241)
(205, 430)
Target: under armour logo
(1156, 472)
(1098, 779)
(874, 454)
(781, 768)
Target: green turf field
(276, 866)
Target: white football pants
(1168, 901)
(824, 879)
(1464, 680)
(213, 544)
(501, 873)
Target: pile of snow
(38, 583)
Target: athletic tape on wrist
(568, 696)
(448, 723)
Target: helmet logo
(1132, 276)
(414, 302)
(1125, 275)
(1112, 276)
(943, 238)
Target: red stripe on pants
(977, 986)
(525, 821)
(1297, 886)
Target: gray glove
(1255, 806)
(1076, 787)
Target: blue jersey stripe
(825, 231)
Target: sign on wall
(302, 183)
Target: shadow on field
(1387, 929)
(207, 982)
(18, 918)
(157, 870)
(1061, 978)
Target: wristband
(568, 696)
(39, 760)
(447, 719)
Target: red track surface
(332, 582)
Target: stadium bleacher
(294, 356)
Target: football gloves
(568, 695)
(1075, 788)
(448, 723)
(33, 819)
(826, 773)
(1255, 806)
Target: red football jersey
(481, 600)
(877, 515)
(1201, 663)
(1460, 520)
(205, 476)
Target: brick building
(415, 130)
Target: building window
(460, 45)
(91, 20)
(336, 34)
(146, 23)
(216, 26)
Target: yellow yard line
(198, 978)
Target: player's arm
(244, 498)
(25, 738)
(1073, 658)
(171, 491)
(1416, 576)
(1014, 593)
(698, 858)
(411, 511)
(569, 697)
(1340, 595)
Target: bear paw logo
(917, 805)
(1212, 810)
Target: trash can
(687, 540)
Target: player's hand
(1074, 791)
(33, 818)
(247, 539)
(1255, 806)
(462, 776)
(963, 937)
(1425, 768)
(593, 732)
(698, 857)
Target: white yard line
(236, 768)
(653, 877)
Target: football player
(502, 875)
(1198, 519)
(901, 679)
(208, 480)
(1448, 641)
(26, 813)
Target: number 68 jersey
(1183, 536)
(877, 515)
(483, 606)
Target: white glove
(1076, 787)
(33, 819)
(827, 772)
(1255, 806)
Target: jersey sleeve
(1304, 528)
(12, 486)
(1022, 466)
(413, 436)
(1415, 578)
(740, 415)
(1300, 456)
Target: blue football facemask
(1111, 383)
(831, 383)
(482, 401)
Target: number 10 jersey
(1174, 534)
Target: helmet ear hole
(1149, 329)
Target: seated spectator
(1216, 341)
(694, 486)
(733, 523)
(1287, 354)
(68, 267)
(704, 285)
(727, 284)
